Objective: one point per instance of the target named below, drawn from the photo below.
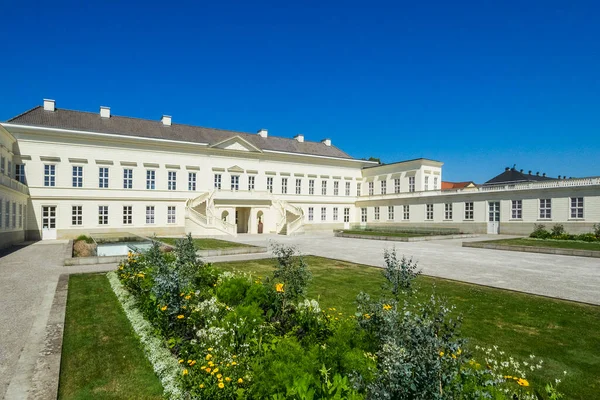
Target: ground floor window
(149, 214)
(376, 214)
(429, 212)
(335, 213)
(102, 215)
(346, 215)
(517, 209)
(171, 215)
(20, 215)
(469, 211)
(14, 215)
(406, 212)
(127, 215)
(311, 213)
(391, 213)
(545, 208)
(576, 207)
(323, 214)
(448, 211)
(76, 215)
(363, 214)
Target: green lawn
(384, 233)
(565, 334)
(101, 356)
(206, 244)
(557, 244)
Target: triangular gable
(236, 143)
(235, 168)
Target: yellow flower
(279, 287)
(188, 297)
(210, 349)
(459, 352)
(185, 371)
(211, 364)
(441, 354)
(180, 316)
(180, 361)
(217, 370)
(240, 381)
(221, 385)
(522, 382)
(233, 363)
(207, 370)
(202, 367)
(163, 308)
(202, 386)
(367, 316)
(208, 357)
(193, 363)
(182, 294)
(387, 307)
(228, 379)
(218, 375)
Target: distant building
(65, 173)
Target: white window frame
(429, 212)
(103, 176)
(324, 188)
(347, 188)
(311, 213)
(363, 214)
(76, 215)
(49, 175)
(335, 214)
(20, 215)
(406, 212)
(411, 184)
(469, 211)
(545, 209)
(150, 179)
(14, 215)
(127, 215)
(127, 178)
(371, 188)
(346, 214)
(20, 173)
(77, 176)
(102, 215)
(171, 180)
(576, 207)
(251, 182)
(218, 181)
(150, 215)
(323, 213)
(376, 213)
(448, 211)
(171, 214)
(426, 183)
(396, 185)
(516, 209)
(435, 183)
(336, 188)
(298, 186)
(235, 183)
(270, 184)
(390, 213)
(192, 179)
(284, 185)
(383, 187)
(358, 189)
(2, 165)
(7, 214)
(311, 186)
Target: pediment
(236, 143)
(235, 168)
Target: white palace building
(64, 173)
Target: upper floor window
(77, 176)
(517, 209)
(576, 207)
(172, 180)
(49, 175)
(20, 173)
(426, 183)
(376, 213)
(284, 182)
(103, 177)
(324, 188)
(469, 210)
(347, 188)
(251, 180)
(311, 186)
(383, 187)
(545, 208)
(298, 186)
(358, 189)
(371, 188)
(2, 165)
(9, 170)
(411, 183)
(269, 184)
(128, 178)
(336, 188)
(235, 182)
(191, 181)
(218, 181)
(346, 214)
(429, 212)
(150, 179)
(448, 211)
(406, 212)
(397, 185)
(391, 213)
(435, 183)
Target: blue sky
(478, 85)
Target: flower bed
(230, 336)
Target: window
(170, 214)
(347, 188)
(150, 179)
(397, 185)
(376, 213)
(545, 208)
(435, 183)
(20, 172)
(172, 180)
(358, 189)
(149, 214)
(77, 176)
(102, 215)
(311, 213)
(7, 214)
(298, 186)
(335, 213)
(324, 188)
(336, 188)
(1, 203)
(235, 182)
(128, 178)
(270, 184)
(411, 183)
(346, 215)
(323, 214)
(469, 211)
(76, 215)
(426, 183)
(218, 181)
(20, 215)
(311, 186)
(191, 181)
(9, 170)
(576, 207)
(251, 182)
(517, 209)
(371, 188)
(49, 175)
(383, 187)
(127, 215)
(391, 213)
(429, 212)
(2, 165)
(406, 212)
(284, 185)
(448, 211)
(103, 177)
(363, 214)
(14, 215)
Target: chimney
(537, 173)
(544, 174)
(559, 177)
(529, 172)
(263, 133)
(299, 137)
(507, 168)
(326, 142)
(166, 120)
(521, 171)
(105, 112)
(49, 105)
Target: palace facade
(65, 173)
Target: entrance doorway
(48, 222)
(494, 218)
(242, 219)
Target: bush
(587, 237)
(558, 230)
(540, 232)
(85, 238)
(292, 271)
(400, 274)
(597, 231)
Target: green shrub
(233, 291)
(540, 232)
(558, 230)
(596, 229)
(587, 237)
(85, 238)
(400, 274)
(292, 271)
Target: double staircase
(200, 218)
(291, 217)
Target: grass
(556, 244)
(101, 356)
(566, 335)
(206, 244)
(385, 233)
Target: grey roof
(127, 126)
(511, 175)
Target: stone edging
(93, 260)
(532, 249)
(404, 239)
(231, 251)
